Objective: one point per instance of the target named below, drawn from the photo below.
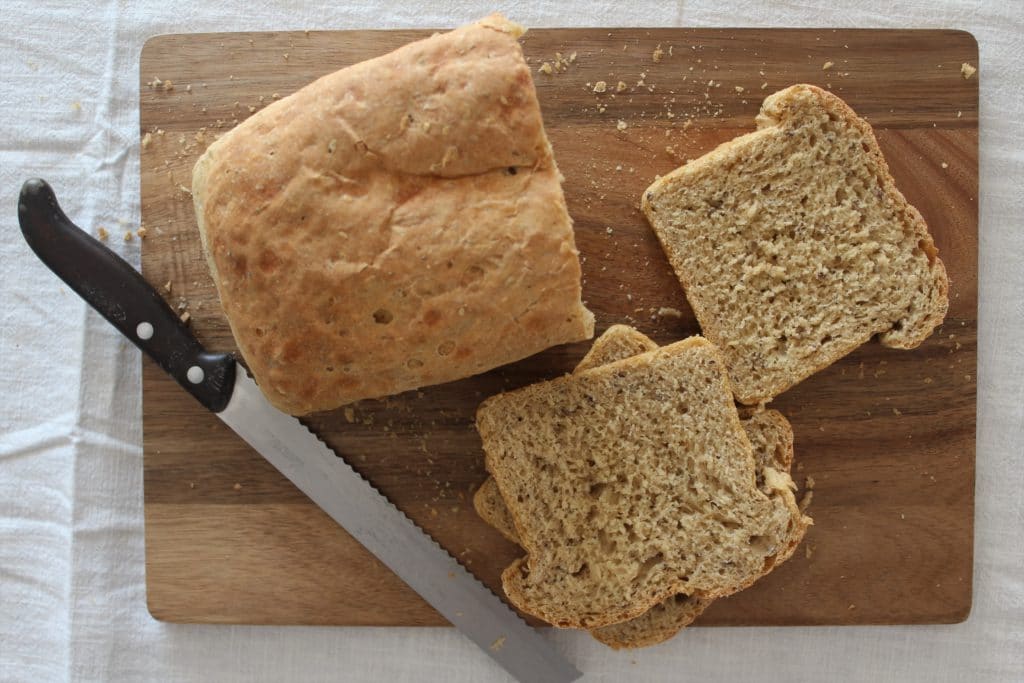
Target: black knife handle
(121, 295)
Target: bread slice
(772, 439)
(794, 246)
(395, 224)
(630, 483)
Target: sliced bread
(794, 246)
(630, 483)
(772, 439)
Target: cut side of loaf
(794, 246)
(630, 483)
(395, 224)
(770, 435)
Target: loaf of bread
(396, 224)
(794, 246)
(630, 483)
(772, 439)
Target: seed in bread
(794, 246)
(630, 483)
(395, 224)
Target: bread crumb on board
(658, 53)
(102, 233)
(498, 644)
(128, 236)
(600, 87)
(827, 65)
(621, 125)
(967, 70)
(545, 68)
(669, 312)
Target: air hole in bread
(648, 565)
(382, 316)
(445, 348)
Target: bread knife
(121, 295)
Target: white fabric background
(72, 591)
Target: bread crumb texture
(794, 246)
(348, 224)
(630, 483)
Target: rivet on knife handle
(122, 296)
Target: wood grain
(887, 436)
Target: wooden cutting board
(887, 436)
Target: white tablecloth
(72, 590)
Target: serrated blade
(392, 537)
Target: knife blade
(122, 296)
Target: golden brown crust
(395, 224)
(777, 112)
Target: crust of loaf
(511, 458)
(904, 322)
(772, 439)
(656, 625)
(395, 224)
